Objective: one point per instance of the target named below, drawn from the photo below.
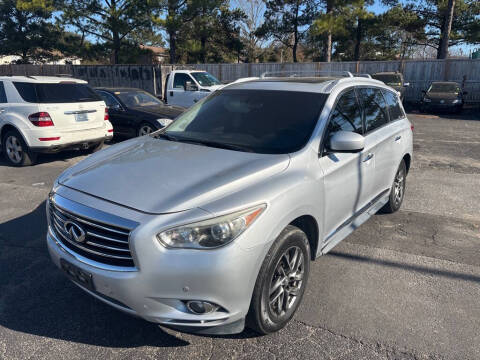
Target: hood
(213, 87)
(442, 95)
(159, 111)
(160, 176)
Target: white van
(49, 114)
(186, 87)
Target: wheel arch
(308, 224)
(408, 159)
(8, 127)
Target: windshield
(444, 88)
(388, 79)
(137, 98)
(205, 79)
(261, 121)
(55, 93)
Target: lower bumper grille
(103, 243)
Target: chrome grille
(103, 243)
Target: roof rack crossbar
(305, 73)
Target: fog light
(201, 307)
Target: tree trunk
(116, 48)
(446, 28)
(295, 45)
(356, 54)
(173, 46)
(328, 43)
(203, 45)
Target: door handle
(2, 111)
(368, 157)
(171, 93)
(398, 138)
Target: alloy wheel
(145, 130)
(14, 149)
(286, 282)
(399, 186)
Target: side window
(347, 115)
(394, 107)
(180, 80)
(374, 107)
(109, 99)
(3, 96)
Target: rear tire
(16, 151)
(397, 192)
(281, 282)
(145, 129)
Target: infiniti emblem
(75, 231)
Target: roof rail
(368, 76)
(306, 73)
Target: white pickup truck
(186, 87)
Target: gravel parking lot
(403, 286)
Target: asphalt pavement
(403, 286)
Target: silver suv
(212, 222)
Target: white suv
(49, 114)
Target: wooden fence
(419, 73)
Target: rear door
(379, 137)
(72, 106)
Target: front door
(347, 176)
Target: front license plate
(78, 275)
(81, 117)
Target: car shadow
(36, 298)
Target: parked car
(443, 95)
(48, 114)
(393, 79)
(135, 112)
(186, 87)
(214, 221)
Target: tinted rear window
(374, 107)
(3, 96)
(394, 107)
(56, 93)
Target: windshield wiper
(165, 136)
(215, 144)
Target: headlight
(427, 100)
(164, 122)
(210, 233)
(456, 101)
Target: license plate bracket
(81, 117)
(77, 275)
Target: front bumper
(163, 279)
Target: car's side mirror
(406, 84)
(116, 107)
(346, 141)
(424, 92)
(190, 87)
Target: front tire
(16, 151)
(397, 193)
(281, 282)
